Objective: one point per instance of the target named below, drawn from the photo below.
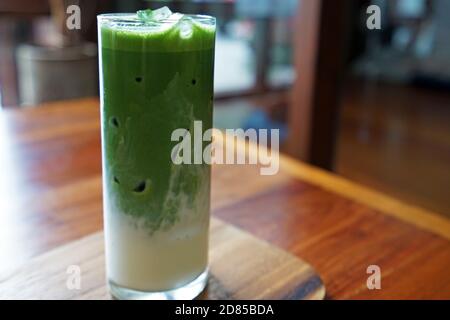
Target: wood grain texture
(397, 139)
(241, 267)
(418, 216)
(50, 189)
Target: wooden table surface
(50, 186)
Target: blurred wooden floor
(397, 139)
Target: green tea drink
(156, 76)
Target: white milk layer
(162, 261)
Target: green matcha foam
(156, 31)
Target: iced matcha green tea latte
(156, 75)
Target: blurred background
(370, 105)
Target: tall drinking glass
(156, 76)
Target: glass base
(187, 292)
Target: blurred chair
(320, 42)
(46, 61)
(15, 21)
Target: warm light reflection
(11, 224)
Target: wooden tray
(242, 267)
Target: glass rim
(132, 19)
